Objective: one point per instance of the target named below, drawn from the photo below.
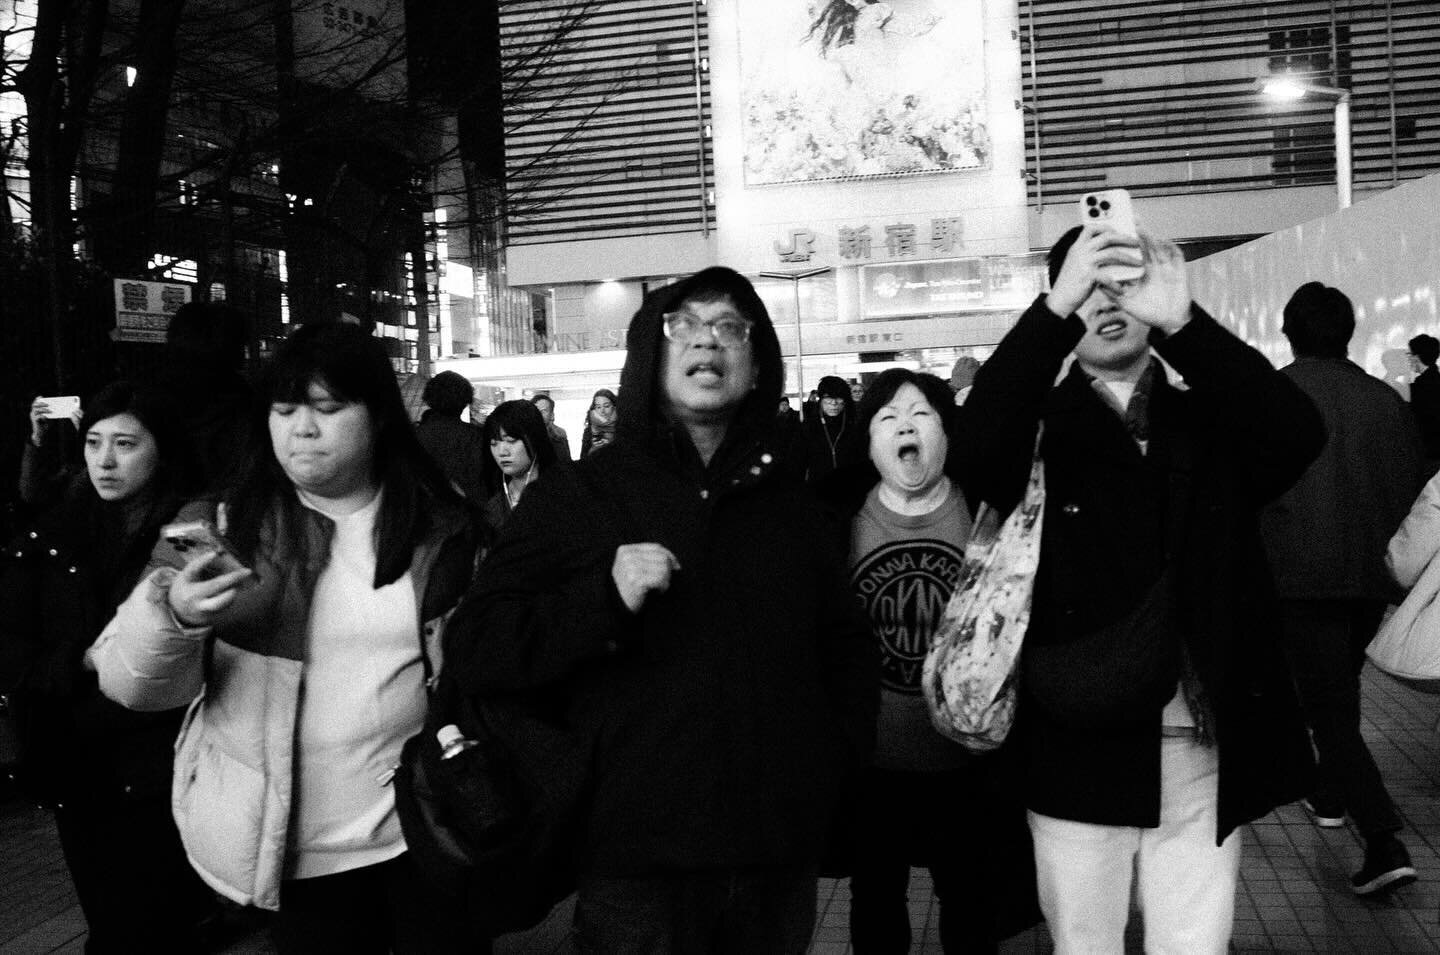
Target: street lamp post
(1290, 88)
(794, 278)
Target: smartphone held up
(1112, 207)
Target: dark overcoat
(1235, 438)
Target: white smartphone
(61, 406)
(1114, 208)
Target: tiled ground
(1295, 894)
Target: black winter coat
(1239, 436)
(722, 716)
(54, 601)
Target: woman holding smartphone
(103, 770)
(311, 662)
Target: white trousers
(1186, 884)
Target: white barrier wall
(1384, 253)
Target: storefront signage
(143, 309)
(950, 286)
(869, 242)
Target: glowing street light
(1291, 89)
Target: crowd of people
(728, 604)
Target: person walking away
(102, 770)
(1326, 540)
(457, 447)
(831, 437)
(558, 438)
(907, 543)
(520, 452)
(1425, 394)
(599, 423)
(639, 589)
(1157, 714)
(310, 662)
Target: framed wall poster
(836, 89)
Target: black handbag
(496, 826)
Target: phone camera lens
(1105, 206)
(1090, 200)
(1094, 213)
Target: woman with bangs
(308, 666)
(910, 523)
(520, 453)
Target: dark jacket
(459, 449)
(723, 713)
(1326, 536)
(1238, 437)
(1425, 403)
(832, 443)
(56, 594)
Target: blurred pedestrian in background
(520, 452)
(456, 446)
(558, 438)
(1425, 394)
(832, 437)
(1326, 538)
(599, 423)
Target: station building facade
(889, 174)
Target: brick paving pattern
(1294, 895)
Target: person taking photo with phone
(103, 771)
(311, 662)
(1157, 713)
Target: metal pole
(1343, 173)
(794, 279)
(799, 348)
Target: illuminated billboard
(835, 89)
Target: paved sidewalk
(1294, 897)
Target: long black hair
(518, 419)
(351, 365)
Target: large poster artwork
(845, 88)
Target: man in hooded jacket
(832, 439)
(685, 596)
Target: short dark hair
(177, 470)
(448, 393)
(518, 419)
(542, 396)
(1318, 321)
(1426, 348)
(889, 381)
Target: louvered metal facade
(607, 131)
(1161, 97)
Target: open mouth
(1110, 328)
(909, 452)
(705, 371)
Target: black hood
(642, 419)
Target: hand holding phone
(44, 409)
(191, 538)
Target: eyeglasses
(688, 328)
